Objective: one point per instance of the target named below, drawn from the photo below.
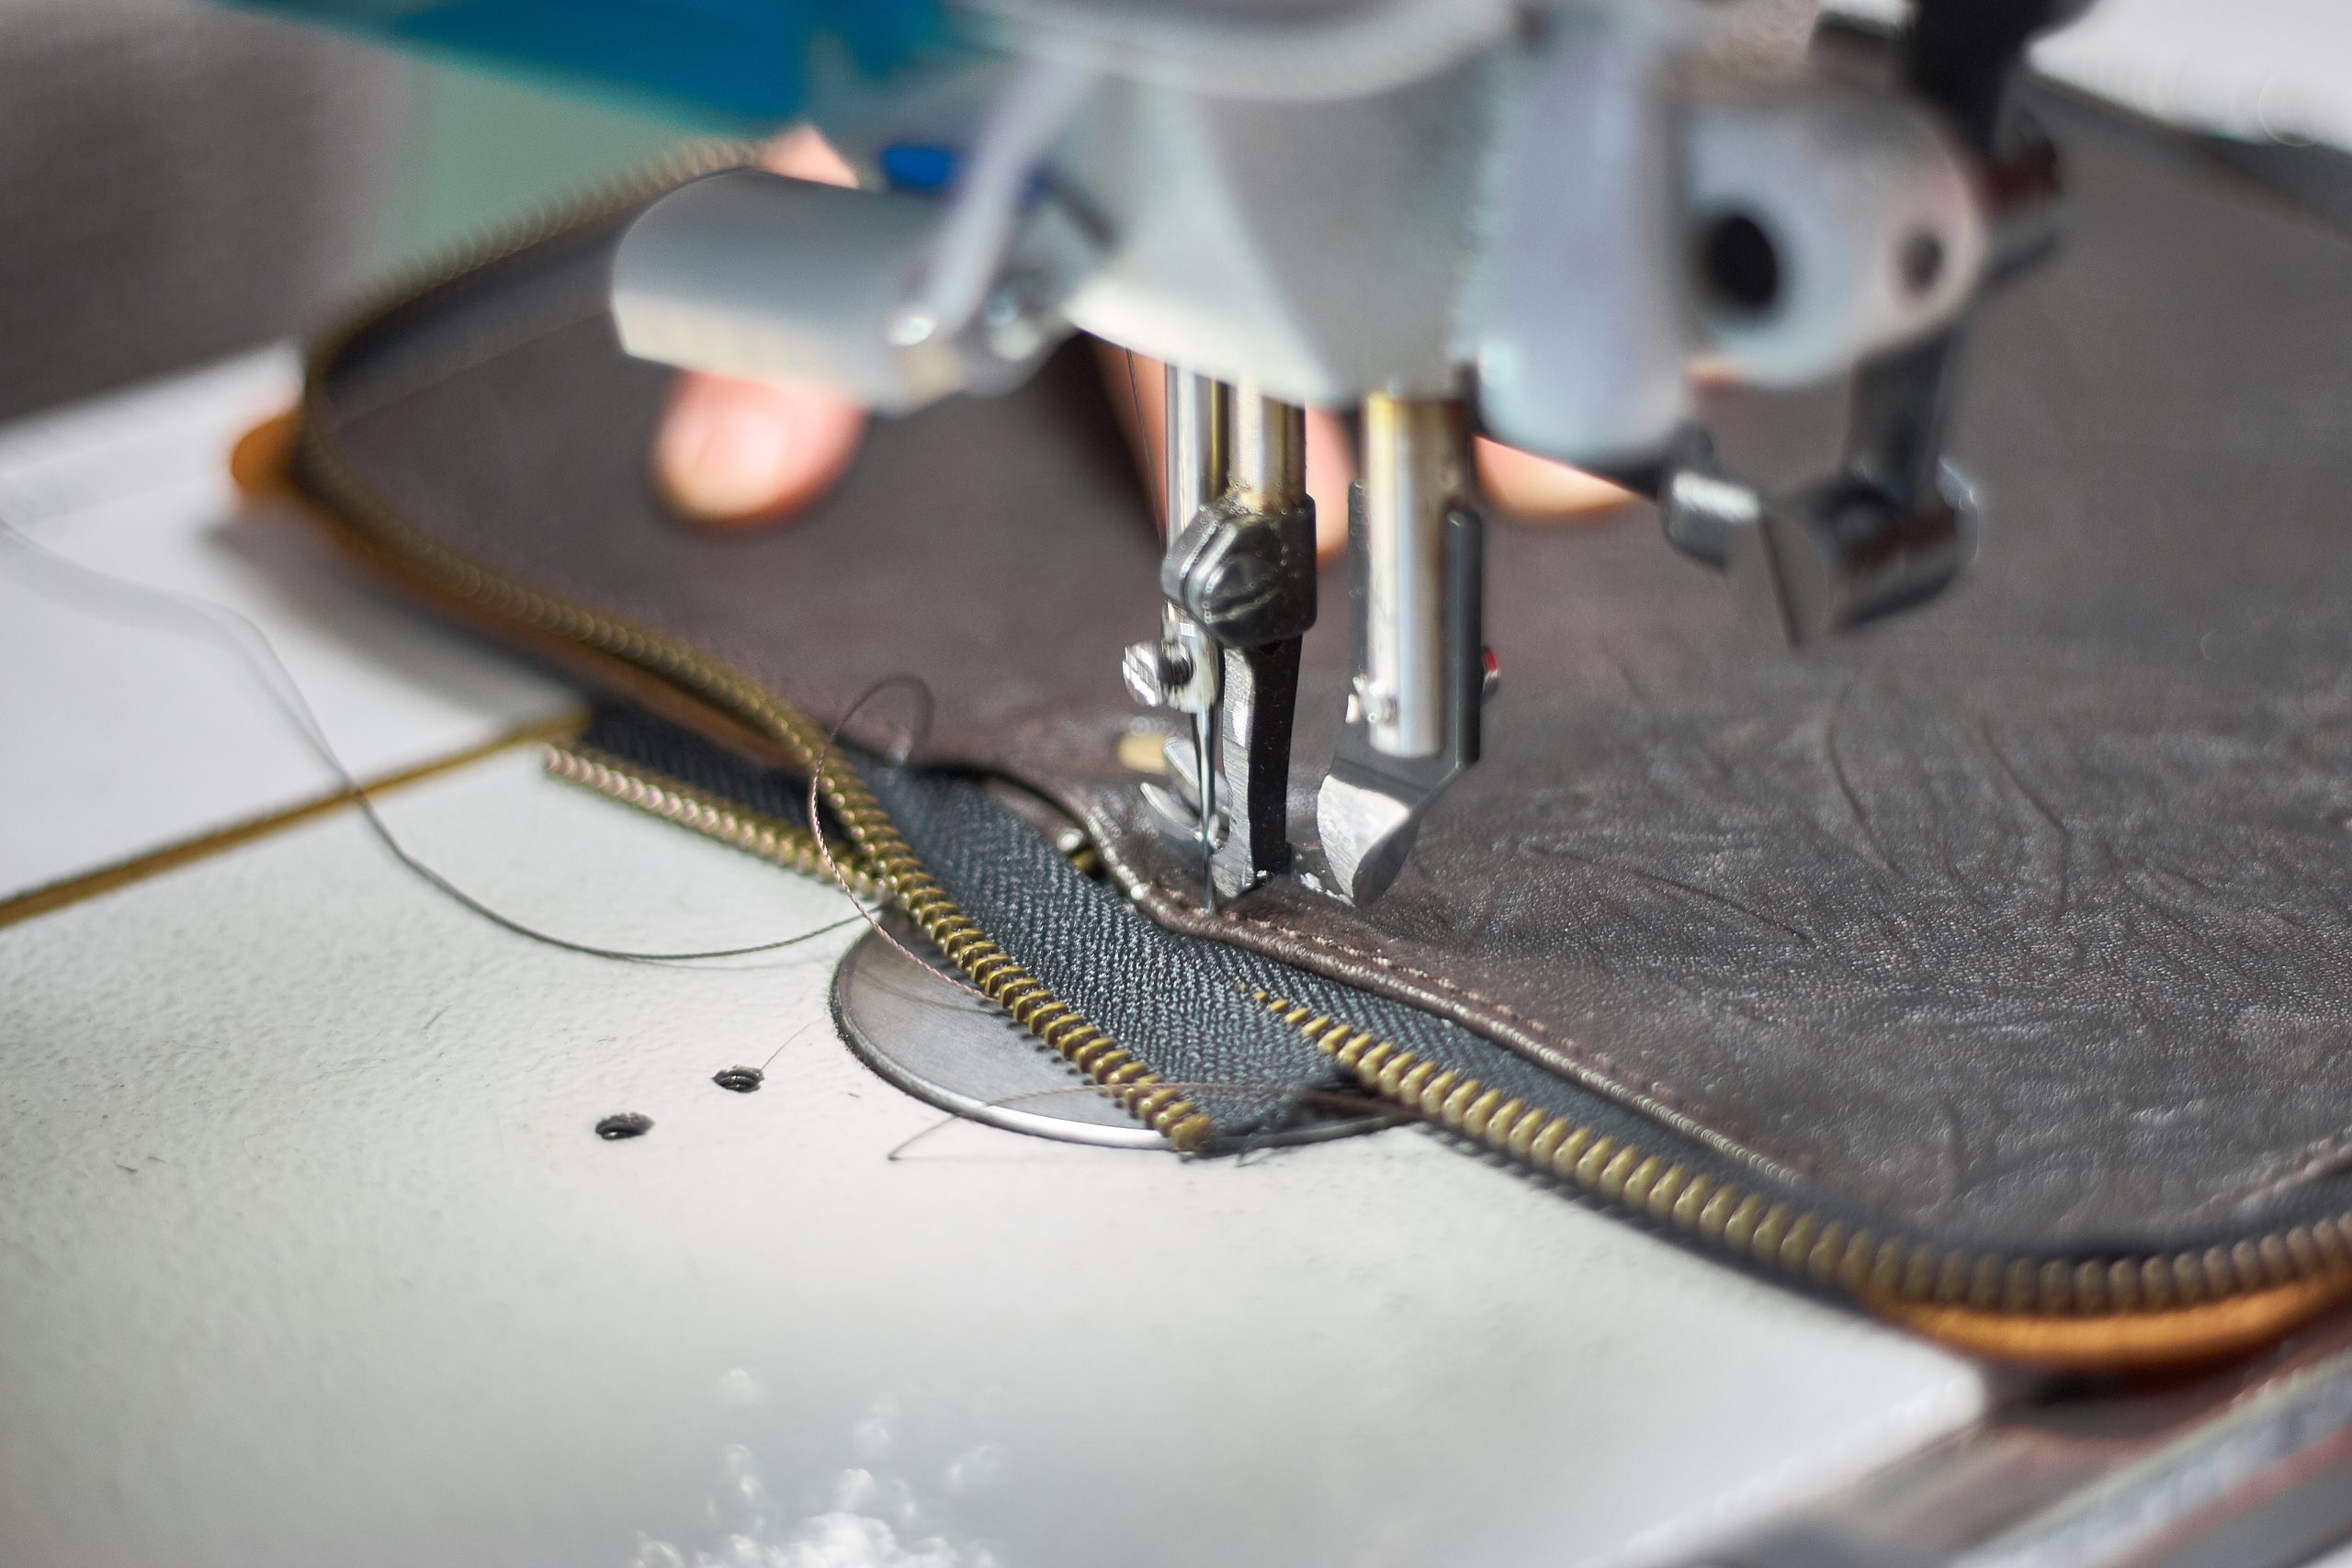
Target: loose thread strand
(915, 738)
(227, 627)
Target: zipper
(755, 833)
(1996, 1302)
(2181, 1305)
(2118, 1313)
(384, 535)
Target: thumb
(735, 451)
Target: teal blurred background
(479, 146)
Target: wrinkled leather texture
(2025, 919)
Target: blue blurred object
(916, 167)
(737, 64)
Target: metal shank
(1429, 590)
(1268, 443)
(1412, 475)
(1240, 577)
(1268, 486)
(1195, 443)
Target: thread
(190, 614)
(1340, 1103)
(916, 734)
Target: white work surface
(123, 737)
(2256, 69)
(308, 1254)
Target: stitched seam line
(2306, 1164)
(1598, 1061)
(466, 353)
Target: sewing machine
(1542, 223)
(323, 1267)
(1579, 208)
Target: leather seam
(1598, 1061)
(470, 352)
(2312, 1161)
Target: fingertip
(805, 154)
(732, 452)
(1540, 490)
(1331, 469)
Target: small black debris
(739, 1080)
(628, 1124)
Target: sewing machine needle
(1204, 771)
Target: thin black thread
(1338, 1101)
(787, 1039)
(232, 628)
(915, 738)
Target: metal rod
(1194, 439)
(1269, 450)
(1412, 482)
(1895, 431)
(1205, 768)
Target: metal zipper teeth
(1786, 1238)
(755, 833)
(898, 873)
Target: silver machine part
(1536, 220)
(969, 248)
(1194, 413)
(1193, 460)
(1412, 483)
(1196, 444)
(1238, 580)
(697, 288)
(1553, 359)
(2248, 1466)
(1184, 669)
(961, 1054)
(1269, 530)
(1415, 583)
(1866, 211)
(1179, 671)
(1314, 51)
(1268, 447)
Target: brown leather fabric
(2025, 919)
